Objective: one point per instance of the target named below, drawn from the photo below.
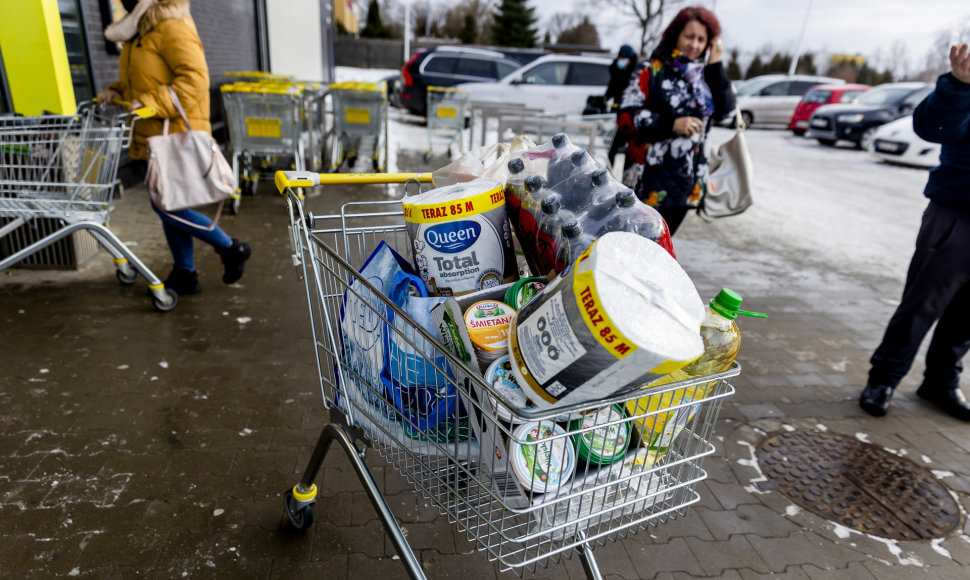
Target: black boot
(875, 399)
(234, 259)
(949, 400)
(184, 282)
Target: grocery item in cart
(460, 237)
(524, 290)
(488, 327)
(622, 316)
(604, 445)
(500, 376)
(722, 341)
(545, 459)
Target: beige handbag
(187, 169)
(730, 177)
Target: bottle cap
(571, 228)
(577, 157)
(551, 204)
(727, 303)
(533, 183)
(558, 140)
(600, 176)
(625, 198)
(516, 165)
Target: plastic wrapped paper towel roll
(460, 237)
(623, 315)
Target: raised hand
(960, 61)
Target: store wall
(300, 38)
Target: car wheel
(747, 118)
(827, 142)
(798, 132)
(865, 142)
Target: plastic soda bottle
(574, 242)
(549, 236)
(722, 340)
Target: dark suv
(447, 66)
(857, 122)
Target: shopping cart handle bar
(291, 179)
(141, 112)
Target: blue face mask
(621, 63)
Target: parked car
(896, 142)
(447, 66)
(857, 122)
(773, 98)
(822, 95)
(555, 84)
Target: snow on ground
(367, 75)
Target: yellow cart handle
(141, 112)
(293, 179)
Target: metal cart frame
(64, 168)
(462, 476)
(360, 116)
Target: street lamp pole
(801, 38)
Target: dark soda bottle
(573, 243)
(549, 235)
(632, 215)
(514, 189)
(528, 219)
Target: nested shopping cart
(359, 124)
(460, 461)
(61, 170)
(266, 120)
(447, 112)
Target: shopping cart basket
(265, 119)
(461, 465)
(63, 168)
(359, 123)
(447, 112)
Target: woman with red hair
(668, 109)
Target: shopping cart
(447, 112)
(461, 465)
(359, 123)
(266, 119)
(62, 168)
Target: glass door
(72, 22)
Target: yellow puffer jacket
(166, 52)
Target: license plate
(887, 147)
(820, 123)
(801, 124)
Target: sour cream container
(542, 463)
(488, 327)
(605, 445)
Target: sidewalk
(139, 443)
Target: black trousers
(937, 290)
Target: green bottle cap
(727, 303)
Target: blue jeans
(179, 235)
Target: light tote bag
(730, 176)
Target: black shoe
(184, 282)
(875, 399)
(234, 259)
(949, 400)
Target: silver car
(771, 99)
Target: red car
(822, 95)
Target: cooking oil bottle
(722, 340)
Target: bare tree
(560, 22)
(649, 15)
(898, 60)
(429, 18)
(937, 60)
(583, 34)
(481, 13)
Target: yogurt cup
(605, 445)
(544, 464)
(499, 375)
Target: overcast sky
(843, 26)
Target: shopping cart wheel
(427, 156)
(234, 203)
(170, 301)
(248, 187)
(127, 276)
(299, 513)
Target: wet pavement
(135, 443)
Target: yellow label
(447, 112)
(360, 116)
(260, 127)
(601, 327)
(451, 210)
(488, 324)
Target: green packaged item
(523, 291)
(605, 445)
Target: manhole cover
(859, 485)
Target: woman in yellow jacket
(162, 49)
